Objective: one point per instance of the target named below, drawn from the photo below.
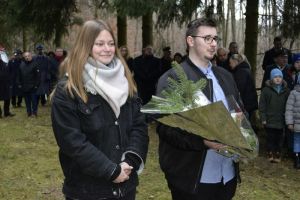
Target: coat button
(87, 111)
(116, 123)
(115, 193)
(117, 146)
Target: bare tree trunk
(292, 43)
(95, 4)
(136, 43)
(266, 21)
(122, 30)
(251, 33)
(223, 24)
(147, 27)
(24, 39)
(57, 39)
(220, 12)
(227, 25)
(274, 17)
(240, 23)
(233, 20)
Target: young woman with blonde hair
(101, 133)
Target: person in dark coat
(166, 60)
(222, 58)
(281, 62)
(147, 70)
(125, 54)
(14, 66)
(272, 104)
(96, 119)
(271, 53)
(244, 81)
(4, 87)
(192, 167)
(53, 69)
(294, 70)
(45, 74)
(28, 81)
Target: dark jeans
(16, 100)
(42, 98)
(274, 139)
(207, 191)
(31, 102)
(129, 196)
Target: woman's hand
(291, 127)
(127, 168)
(125, 172)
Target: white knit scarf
(109, 81)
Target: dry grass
(30, 168)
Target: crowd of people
(277, 106)
(101, 133)
(30, 77)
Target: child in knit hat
(271, 110)
(294, 70)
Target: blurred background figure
(59, 55)
(222, 58)
(14, 66)
(53, 69)
(281, 63)
(244, 81)
(147, 70)
(125, 54)
(28, 81)
(271, 53)
(4, 83)
(166, 60)
(44, 73)
(234, 49)
(178, 57)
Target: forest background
(28, 152)
(253, 24)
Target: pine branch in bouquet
(182, 92)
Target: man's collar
(203, 69)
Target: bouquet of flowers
(189, 109)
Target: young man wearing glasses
(193, 169)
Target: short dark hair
(195, 24)
(167, 49)
(232, 43)
(277, 39)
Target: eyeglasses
(208, 39)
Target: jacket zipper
(200, 169)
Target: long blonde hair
(73, 65)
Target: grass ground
(29, 167)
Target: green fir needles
(182, 94)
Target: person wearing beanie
(294, 70)
(277, 77)
(271, 110)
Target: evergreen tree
(48, 19)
